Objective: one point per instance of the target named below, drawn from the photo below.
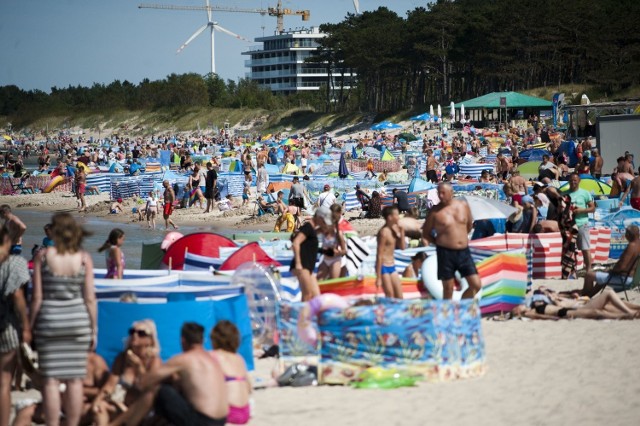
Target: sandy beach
(539, 373)
(241, 218)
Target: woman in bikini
(334, 247)
(118, 397)
(225, 339)
(548, 305)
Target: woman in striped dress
(63, 310)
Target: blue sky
(46, 43)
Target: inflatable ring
(52, 184)
(430, 279)
(312, 309)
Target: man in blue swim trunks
(390, 237)
(448, 226)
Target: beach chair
(259, 210)
(634, 272)
(20, 187)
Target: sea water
(136, 233)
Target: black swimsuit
(540, 306)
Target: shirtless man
(15, 228)
(432, 165)
(202, 398)
(518, 183)
(502, 167)
(447, 226)
(169, 198)
(261, 156)
(390, 237)
(594, 281)
(81, 187)
(596, 164)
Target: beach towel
(357, 251)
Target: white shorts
(603, 278)
(583, 238)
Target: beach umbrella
(422, 117)
(589, 184)
(326, 169)
(431, 111)
(439, 111)
(485, 208)
(354, 154)
(343, 171)
(534, 154)
(385, 125)
(529, 170)
(462, 119)
(452, 110)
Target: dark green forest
(449, 50)
(455, 50)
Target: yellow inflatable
(84, 167)
(52, 184)
(285, 218)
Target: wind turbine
(212, 25)
(356, 4)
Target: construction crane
(279, 12)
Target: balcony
(271, 61)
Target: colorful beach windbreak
(442, 340)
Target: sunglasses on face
(140, 333)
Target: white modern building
(279, 63)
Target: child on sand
(390, 237)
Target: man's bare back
(198, 394)
(200, 378)
(519, 184)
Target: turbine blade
(208, 10)
(232, 34)
(356, 4)
(196, 34)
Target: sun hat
(325, 214)
(543, 199)
(527, 199)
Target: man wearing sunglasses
(202, 400)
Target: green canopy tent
(478, 108)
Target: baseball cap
(324, 214)
(358, 186)
(527, 199)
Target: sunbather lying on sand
(548, 305)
